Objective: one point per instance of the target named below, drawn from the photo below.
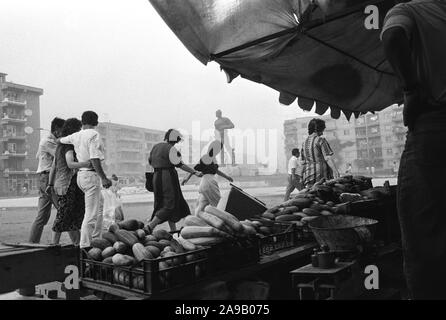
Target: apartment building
(127, 149)
(19, 137)
(371, 143)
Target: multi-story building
(127, 149)
(19, 137)
(371, 141)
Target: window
(374, 130)
(373, 118)
(362, 143)
(389, 152)
(360, 120)
(346, 132)
(12, 96)
(360, 131)
(376, 153)
(388, 138)
(12, 148)
(362, 154)
(374, 141)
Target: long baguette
(200, 232)
(250, 230)
(189, 246)
(195, 221)
(206, 241)
(212, 220)
(228, 218)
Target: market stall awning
(320, 56)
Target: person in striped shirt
(317, 156)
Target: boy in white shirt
(294, 173)
(87, 145)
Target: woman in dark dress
(169, 201)
(67, 197)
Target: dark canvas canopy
(326, 58)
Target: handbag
(149, 181)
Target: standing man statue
(414, 36)
(222, 125)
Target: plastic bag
(112, 208)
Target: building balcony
(374, 134)
(13, 119)
(11, 86)
(397, 119)
(131, 139)
(12, 137)
(132, 173)
(9, 172)
(128, 149)
(12, 103)
(10, 155)
(139, 161)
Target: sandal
(148, 229)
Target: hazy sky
(119, 58)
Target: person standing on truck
(88, 147)
(45, 154)
(414, 36)
(294, 174)
(222, 125)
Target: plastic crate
(232, 255)
(147, 277)
(303, 233)
(283, 236)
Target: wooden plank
(310, 270)
(119, 292)
(25, 267)
(29, 245)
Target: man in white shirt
(294, 174)
(45, 154)
(87, 145)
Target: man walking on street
(294, 174)
(88, 147)
(414, 36)
(45, 154)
